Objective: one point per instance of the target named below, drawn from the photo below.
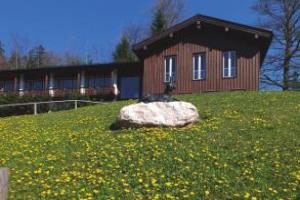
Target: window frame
(171, 57)
(230, 67)
(199, 55)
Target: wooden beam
(4, 175)
(198, 24)
(46, 86)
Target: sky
(82, 26)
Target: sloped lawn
(246, 147)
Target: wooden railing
(35, 104)
(4, 175)
(61, 92)
(98, 91)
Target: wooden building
(202, 54)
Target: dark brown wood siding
(213, 43)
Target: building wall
(48, 78)
(213, 43)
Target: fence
(4, 173)
(35, 104)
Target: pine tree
(159, 23)
(2, 55)
(123, 52)
(35, 58)
(40, 55)
(2, 50)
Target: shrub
(28, 109)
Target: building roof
(77, 67)
(257, 32)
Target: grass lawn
(247, 146)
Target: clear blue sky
(82, 25)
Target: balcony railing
(104, 91)
(63, 92)
(98, 91)
(35, 93)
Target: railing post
(75, 104)
(4, 175)
(35, 108)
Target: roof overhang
(99, 66)
(198, 20)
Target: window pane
(196, 73)
(199, 61)
(167, 69)
(226, 72)
(173, 68)
(170, 68)
(229, 66)
(203, 66)
(233, 63)
(196, 67)
(226, 59)
(8, 86)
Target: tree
(166, 14)
(123, 52)
(2, 55)
(2, 50)
(70, 58)
(36, 57)
(159, 23)
(18, 58)
(283, 61)
(135, 33)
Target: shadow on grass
(114, 127)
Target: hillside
(246, 146)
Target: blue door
(130, 87)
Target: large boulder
(158, 114)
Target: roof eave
(218, 22)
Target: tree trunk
(285, 75)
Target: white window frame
(201, 66)
(172, 58)
(231, 56)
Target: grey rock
(158, 114)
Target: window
(170, 68)
(199, 66)
(229, 64)
(31, 85)
(6, 86)
(98, 81)
(65, 83)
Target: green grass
(247, 146)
